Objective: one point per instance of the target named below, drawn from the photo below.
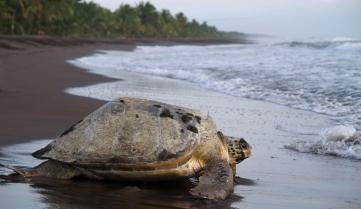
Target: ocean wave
(342, 141)
(322, 81)
(338, 43)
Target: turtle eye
(244, 146)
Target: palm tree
(149, 18)
(181, 24)
(128, 20)
(168, 24)
(6, 17)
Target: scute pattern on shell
(132, 131)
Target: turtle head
(238, 148)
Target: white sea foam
(322, 81)
(343, 141)
(340, 39)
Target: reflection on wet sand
(90, 194)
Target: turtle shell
(131, 131)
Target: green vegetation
(77, 18)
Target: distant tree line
(77, 18)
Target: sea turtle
(135, 139)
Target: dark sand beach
(33, 75)
(33, 106)
(32, 102)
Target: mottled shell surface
(131, 131)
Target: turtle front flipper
(216, 181)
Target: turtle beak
(246, 148)
(247, 152)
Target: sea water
(323, 76)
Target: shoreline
(17, 42)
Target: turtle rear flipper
(50, 168)
(216, 182)
(20, 173)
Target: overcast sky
(284, 18)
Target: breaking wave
(343, 141)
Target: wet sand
(272, 178)
(32, 80)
